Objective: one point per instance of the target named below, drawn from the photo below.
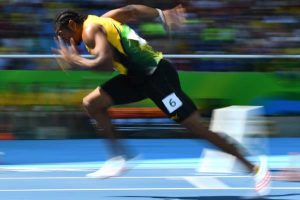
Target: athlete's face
(65, 34)
(72, 31)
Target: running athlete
(144, 73)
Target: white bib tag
(172, 102)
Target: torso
(131, 53)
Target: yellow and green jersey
(135, 54)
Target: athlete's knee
(87, 103)
(95, 103)
(92, 107)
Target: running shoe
(115, 166)
(262, 177)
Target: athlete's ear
(72, 25)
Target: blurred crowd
(211, 27)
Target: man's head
(68, 24)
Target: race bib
(172, 102)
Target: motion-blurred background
(38, 101)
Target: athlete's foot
(115, 166)
(262, 177)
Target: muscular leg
(193, 123)
(96, 105)
(164, 82)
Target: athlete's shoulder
(99, 19)
(91, 18)
(93, 24)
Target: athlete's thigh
(165, 91)
(122, 90)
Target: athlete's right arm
(94, 36)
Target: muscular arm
(95, 38)
(172, 18)
(132, 13)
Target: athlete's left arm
(170, 17)
(132, 13)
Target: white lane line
(45, 169)
(206, 182)
(135, 189)
(83, 177)
(122, 177)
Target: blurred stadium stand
(214, 26)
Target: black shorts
(162, 87)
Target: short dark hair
(62, 19)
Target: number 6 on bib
(172, 102)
